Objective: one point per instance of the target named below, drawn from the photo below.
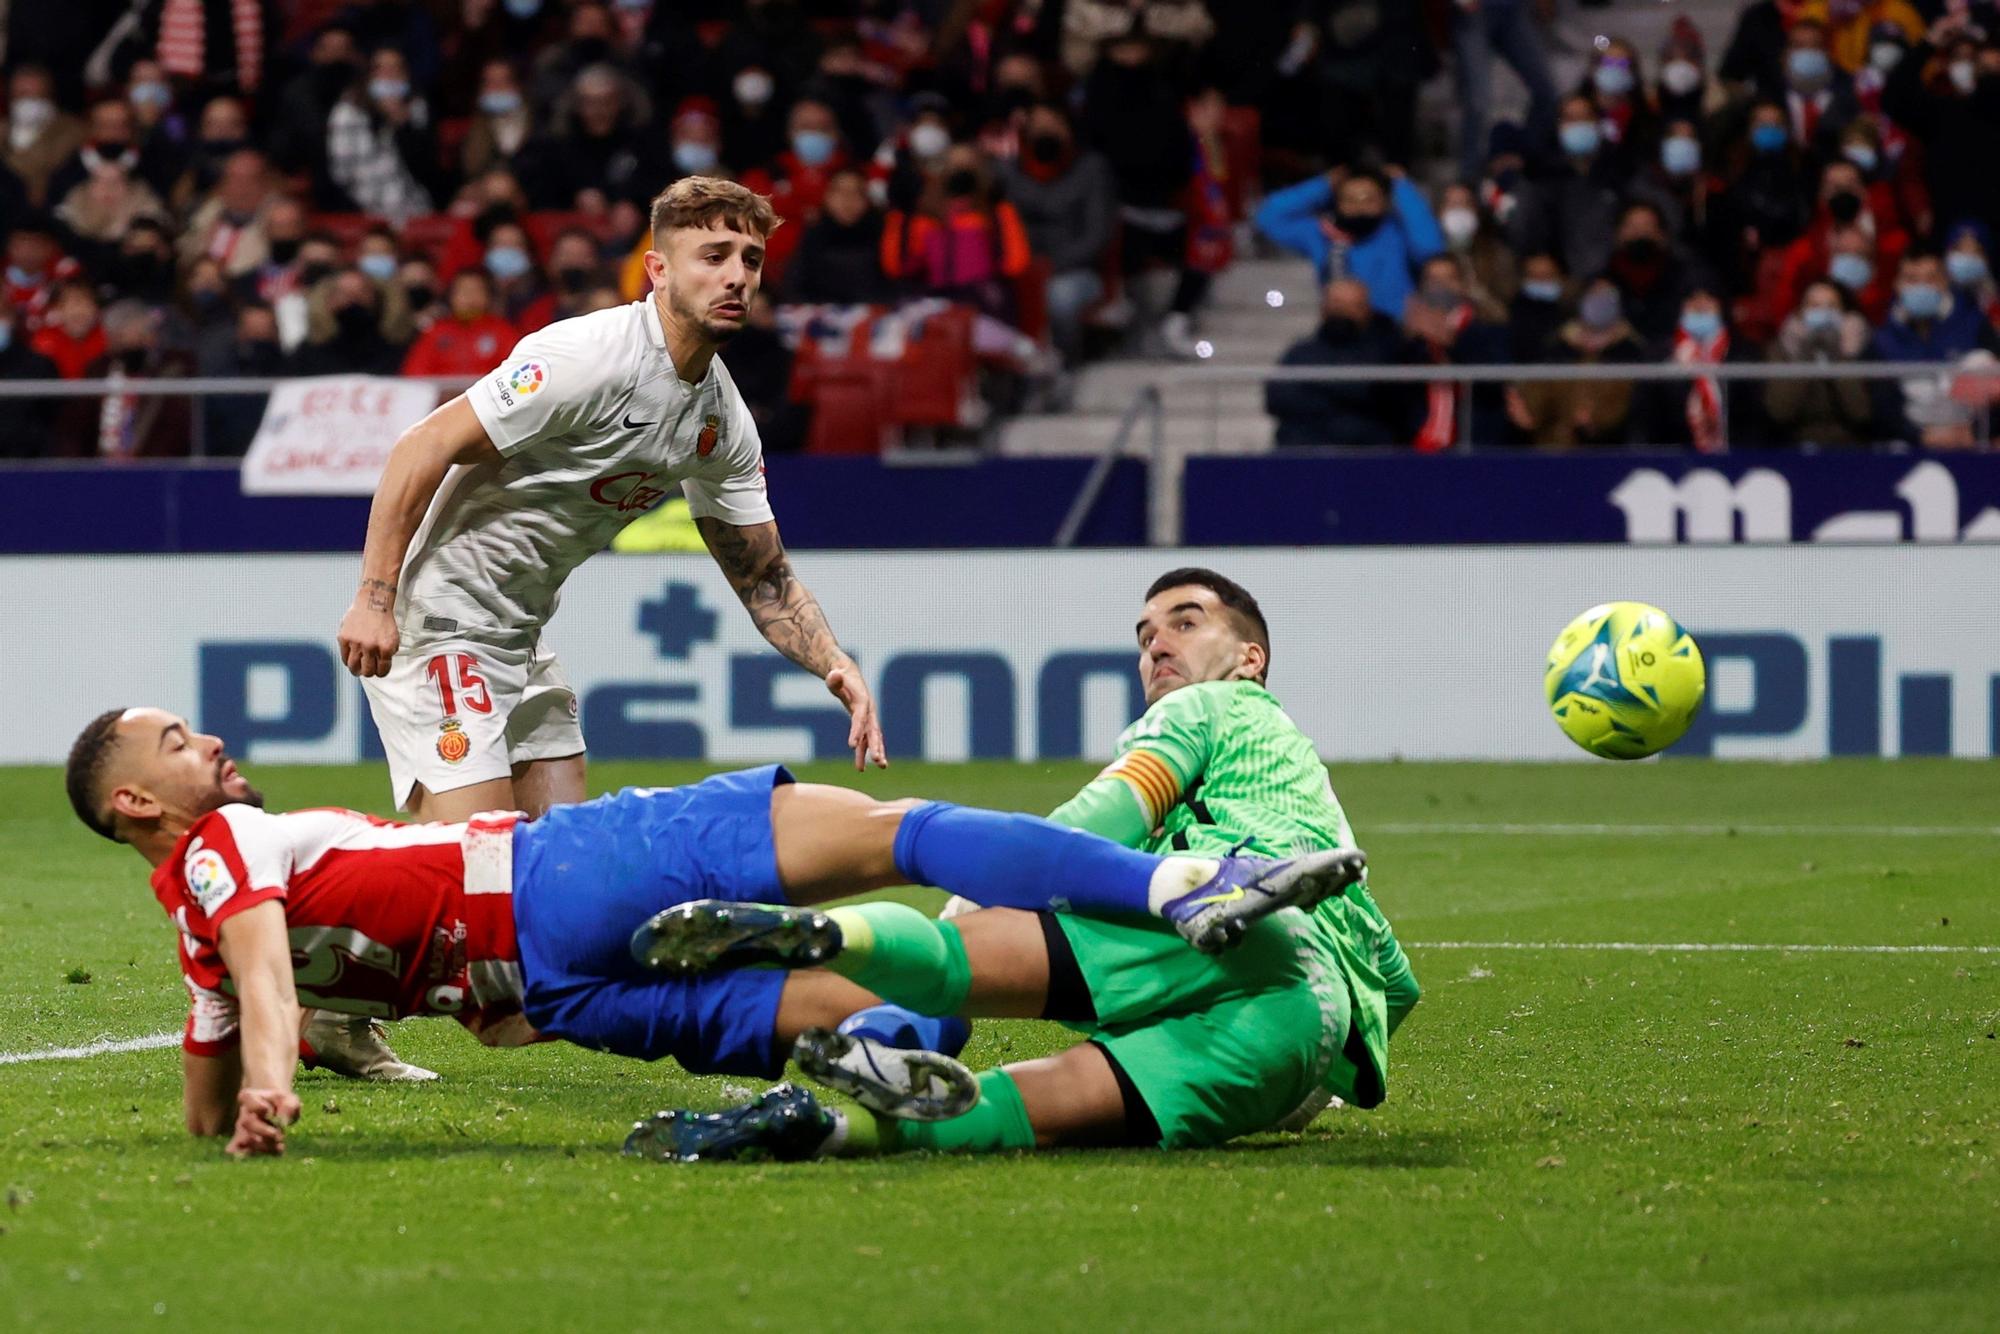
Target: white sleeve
(731, 488)
(549, 385)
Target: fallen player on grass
(522, 930)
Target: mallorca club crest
(453, 744)
(704, 444)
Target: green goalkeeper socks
(903, 956)
(998, 1121)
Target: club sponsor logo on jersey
(453, 744)
(627, 491)
(208, 878)
(711, 426)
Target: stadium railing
(1179, 390)
(1142, 428)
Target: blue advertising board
(1301, 498)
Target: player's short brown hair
(84, 775)
(703, 201)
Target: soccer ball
(1624, 680)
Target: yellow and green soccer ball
(1624, 680)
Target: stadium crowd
(278, 187)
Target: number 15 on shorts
(458, 682)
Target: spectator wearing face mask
(142, 266)
(1470, 234)
(1702, 414)
(905, 160)
(1361, 413)
(1446, 328)
(519, 295)
(39, 136)
(121, 425)
(1895, 188)
(1763, 207)
(381, 149)
(1569, 203)
(1818, 97)
(1566, 414)
(349, 331)
(468, 340)
(1357, 224)
(1945, 96)
(1678, 183)
(694, 138)
(1968, 270)
(839, 260)
(1652, 273)
(222, 132)
(25, 426)
(502, 123)
(1754, 60)
(1927, 323)
(159, 125)
(248, 349)
(575, 271)
(1064, 196)
(973, 246)
(1682, 89)
(796, 181)
(753, 120)
(111, 143)
(1853, 27)
(1844, 209)
(1832, 413)
(1539, 309)
(298, 113)
(1626, 121)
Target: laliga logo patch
(208, 879)
(704, 444)
(528, 378)
(453, 744)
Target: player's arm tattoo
(379, 594)
(753, 560)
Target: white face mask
(33, 111)
(1460, 225)
(929, 140)
(1964, 76)
(753, 88)
(1680, 77)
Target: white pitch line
(1699, 830)
(1697, 947)
(106, 1047)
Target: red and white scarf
(184, 39)
(1704, 404)
(1440, 429)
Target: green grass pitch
(1575, 1139)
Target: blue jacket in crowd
(1386, 261)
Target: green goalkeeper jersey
(1217, 767)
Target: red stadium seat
(543, 228)
(1031, 298)
(936, 370)
(1243, 146)
(346, 229)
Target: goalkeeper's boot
(785, 1124)
(908, 1085)
(713, 934)
(355, 1047)
(1215, 914)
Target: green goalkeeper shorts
(1217, 1046)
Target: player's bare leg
(460, 803)
(540, 784)
(832, 841)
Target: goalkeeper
(1184, 1049)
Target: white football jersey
(595, 427)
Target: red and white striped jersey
(385, 919)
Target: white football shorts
(453, 714)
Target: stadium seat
(1031, 299)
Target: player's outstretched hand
(261, 1118)
(864, 734)
(368, 638)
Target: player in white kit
(487, 504)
